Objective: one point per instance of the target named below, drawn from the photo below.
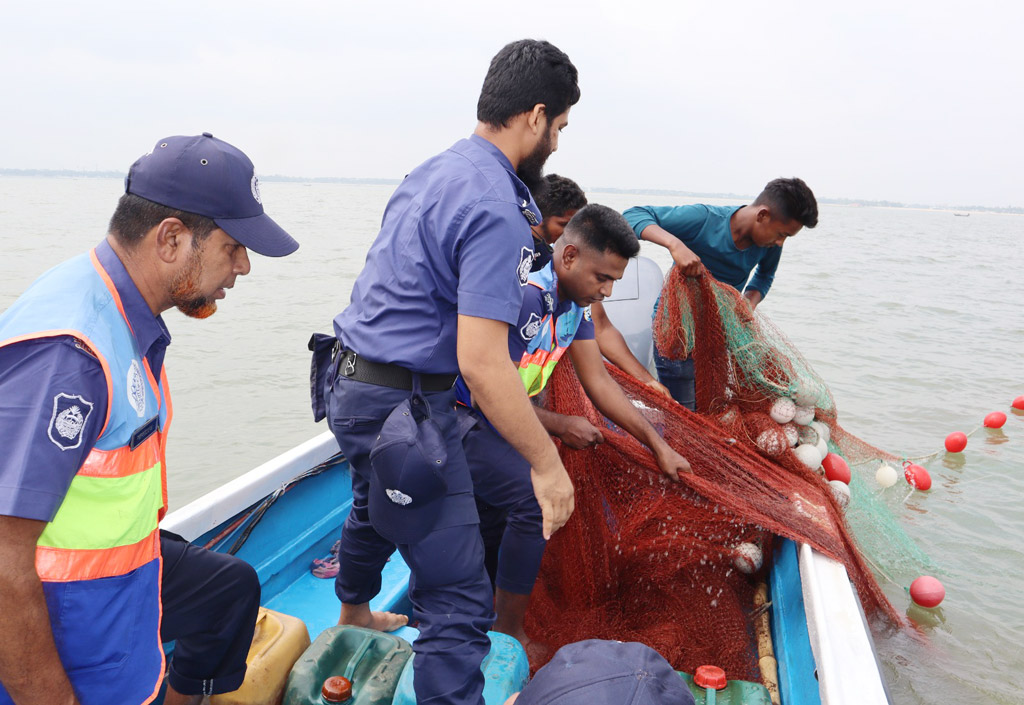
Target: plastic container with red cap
(348, 665)
(710, 687)
(336, 689)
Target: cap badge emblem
(255, 186)
(399, 497)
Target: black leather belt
(360, 369)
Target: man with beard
(90, 587)
(441, 285)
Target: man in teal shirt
(731, 242)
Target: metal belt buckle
(348, 366)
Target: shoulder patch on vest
(531, 328)
(549, 302)
(586, 314)
(70, 412)
(525, 265)
(136, 390)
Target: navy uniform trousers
(510, 517)
(449, 589)
(210, 602)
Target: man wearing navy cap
(442, 283)
(84, 415)
(597, 672)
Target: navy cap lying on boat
(204, 175)
(407, 484)
(596, 672)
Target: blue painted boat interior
(305, 520)
(302, 525)
(798, 683)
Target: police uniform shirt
(455, 239)
(39, 459)
(537, 303)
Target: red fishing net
(645, 559)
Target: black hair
(603, 229)
(135, 216)
(523, 74)
(790, 199)
(559, 195)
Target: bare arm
(612, 402)
(498, 391)
(683, 256)
(754, 297)
(613, 346)
(30, 668)
(574, 431)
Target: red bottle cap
(337, 689)
(710, 677)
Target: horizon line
(280, 178)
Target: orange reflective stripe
(92, 348)
(163, 439)
(110, 286)
(530, 281)
(123, 461)
(61, 565)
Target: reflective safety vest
(553, 335)
(99, 559)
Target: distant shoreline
(850, 202)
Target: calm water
(913, 317)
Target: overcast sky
(902, 100)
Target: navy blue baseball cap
(598, 672)
(407, 483)
(204, 175)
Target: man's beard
(531, 168)
(185, 290)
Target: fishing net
(645, 559)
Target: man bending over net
(589, 257)
(731, 242)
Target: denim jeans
(677, 375)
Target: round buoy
(956, 441)
(822, 429)
(806, 434)
(927, 591)
(747, 558)
(804, 415)
(1018, 403)
(782, 410)
(841, 491)
(772, 441)
(822, 447)
(995, 420)
(886, 475)
(917, 477)
(836, 468)
(808, 455)
(792, 434)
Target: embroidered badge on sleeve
(70, 413)
(525, 264)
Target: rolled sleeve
(495, 254)
(38, 379)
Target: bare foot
(361, 616)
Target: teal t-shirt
(705, 230)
